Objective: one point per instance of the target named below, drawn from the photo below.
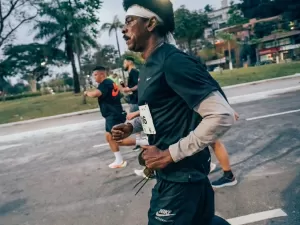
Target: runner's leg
(118, 163)
(128, 142)
(228, 179)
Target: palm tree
(57, 32)
(114, 27)
(83, 41)
(64, 27)
(227, 37)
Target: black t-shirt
(110, 100)
(133, 80)
(172, 83)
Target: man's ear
(152, 24)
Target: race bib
(147, 120)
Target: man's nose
(124, 29)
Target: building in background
(280, 47)
(217, 19)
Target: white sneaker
(140, 173)
(212, 167)
(115, 165)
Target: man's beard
(126, 69)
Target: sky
(109, 9)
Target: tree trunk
(82, 76)
(71, 58)
(32, 83)
(118, 45)
(75, 77)
(229, 52)
(2, 88)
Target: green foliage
(17, 89)
(27, 59)
(107, 56)
(225, 36)
(265, 28)
(72, 23)
(208, 8)
(259, 8)
(190, 25)
(67, 80)
(290, 9)
(235, 15)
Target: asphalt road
(56, 176)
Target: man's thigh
(181, 203)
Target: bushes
(24, 95)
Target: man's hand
(85, 93)
(236, 116)
(121, 131)
(126, 89)
(156, 158)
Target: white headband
(140, 11)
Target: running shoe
(224, 182)
(114, 165)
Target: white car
(218, 69)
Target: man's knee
(108, 137)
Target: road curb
(232, 100)
(261, 81)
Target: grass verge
(244, 75)
(49, 105)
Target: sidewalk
(236, 94)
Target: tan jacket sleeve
(218, 117)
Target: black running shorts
(112, 121)
(182, 203)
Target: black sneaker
(224, 182)
(136, 148)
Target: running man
(109, 101)
(183, 111)
(132, 88)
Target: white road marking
(4, 147)
(53, 130)
(255, 217)
(272, 115)
(101, 145)
(261, 95)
